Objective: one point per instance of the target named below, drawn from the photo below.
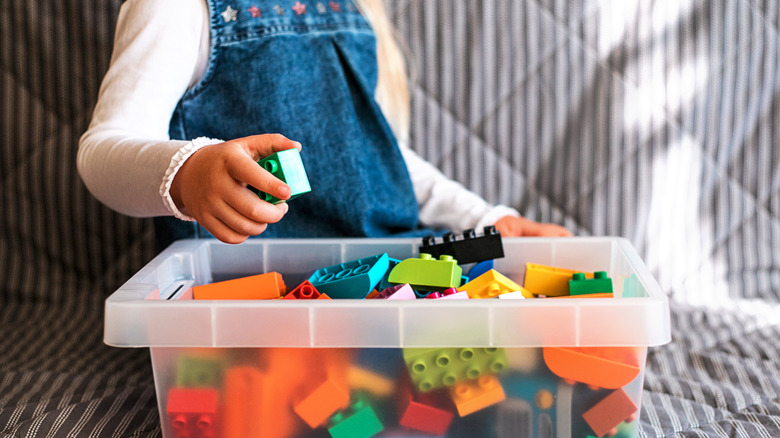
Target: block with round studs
(426, 273)
(431, 368)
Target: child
(198, 91)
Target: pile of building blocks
(281, 392)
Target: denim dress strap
(307, 70)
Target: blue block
(480, 268)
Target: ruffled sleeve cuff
(177, 161)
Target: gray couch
(657, 121)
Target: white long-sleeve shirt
(127, 159)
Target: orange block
(295, 369)
(305, 367)
(607, 414)
(326, 400)
(548, 280)
(602, 367)
(311, 381)
(473, 395)
(253, 407)
(266, 286)
(599, 295)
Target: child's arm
(446, 203)
(126, 158)
(125, 154)
(211, 187)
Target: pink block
(456, 296)
(404, 292)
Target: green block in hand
(288, 167)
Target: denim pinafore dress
(307, 70)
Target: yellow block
(359, 378)
(490, 285)
(548, 280)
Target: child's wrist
(172, 197)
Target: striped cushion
(657, 121)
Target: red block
(192, 412)
(429, 412)
(304, 291)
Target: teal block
(354, 279)
(599, 284)
(426, 273)
(431, 368)
(288, 167)
(632, 288)
(385, 283)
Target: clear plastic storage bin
(540, 367)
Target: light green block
(431, 368)
(198, 372)
(427, 273)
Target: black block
(469, 248)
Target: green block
(427, 273)
(288, 167)
(195, 371)
(431, 368)
(599, 284)
(358, 421)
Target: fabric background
(656, 120)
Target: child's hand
(511, 226)
(211, 187)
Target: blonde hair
(392, 92)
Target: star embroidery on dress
(279, 10)
(335, 6)
(321, 8)
(299, 8)
(255, 11)
(230, 14)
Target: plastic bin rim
(656, 302)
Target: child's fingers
(252, 208)
(231, 225)
(511, 226)
(222, 231)
(249, 172)
(263, 145)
